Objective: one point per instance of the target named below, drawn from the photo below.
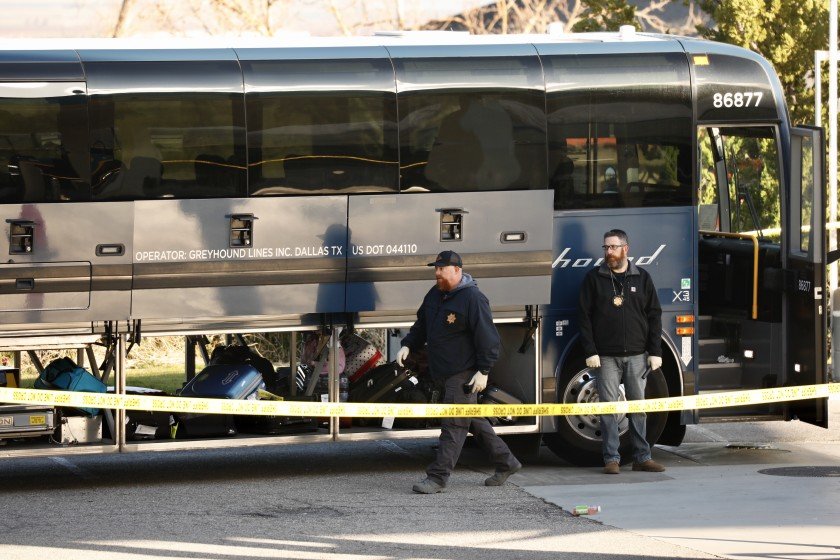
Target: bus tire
(578, 438)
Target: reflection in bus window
(166, 146)
(321, 126)
(604, 115)
(471, 139)
(806, 195)
(43, 150)
(319, 144)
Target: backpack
(63, 374)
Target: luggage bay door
(62, 265)
(472, 180)
(394, 237)
(805, 313)
(239, 258)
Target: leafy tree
(606, 15)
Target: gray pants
(614, 370)
(453, 433)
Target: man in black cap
(456, 323)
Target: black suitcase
(495, 395)
(389, 383)
(144, 424)
(378, 384)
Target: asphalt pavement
(353, 500)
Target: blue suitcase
(222, 381)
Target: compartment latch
(451, 223)
(21, 236)
(242, 230)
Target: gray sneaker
(428, 486)
(500, 477)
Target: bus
(301, 186)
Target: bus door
(761, 258)
(741, 265)
(472, 179)
(65, 255)
(806, 304)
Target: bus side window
(43, 150)
(155, 135)
(473, 138)
(306, 139)
(631, 145)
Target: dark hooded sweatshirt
(458, 328)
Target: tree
(785, 33)
(534, 16)
(607, 15)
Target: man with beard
(620, 329)
(456, 323)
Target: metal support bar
(119, 387)
(94, 366)
(201, 343)
(189, 357)
(293, 363)
(35, 361)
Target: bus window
(43, 144)
(167, 140)
(746, 176)
(470, 138)
(321, 126)
(616, 140)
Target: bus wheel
(578, 437)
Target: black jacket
(458, 328)
(634, 328)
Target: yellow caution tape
(375, 410)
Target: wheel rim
(580, 389)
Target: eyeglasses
(612, 247)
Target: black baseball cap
(447, 258)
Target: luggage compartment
(312, 377)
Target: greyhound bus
(301, 186)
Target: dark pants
(453, 433)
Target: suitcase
(221, 381)
(495, 395)
(143, 425)
(386, 383)
(275, 425)
(408, 392)
(379, 384)
(360, 356)
(63, 374)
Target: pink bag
(308, 357)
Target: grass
(165, 378)
(169, 379)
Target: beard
(614, 261)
